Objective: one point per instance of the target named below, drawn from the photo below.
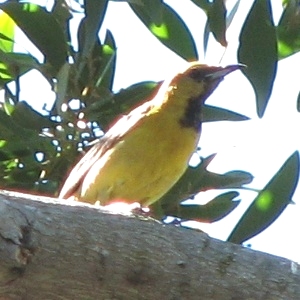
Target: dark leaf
(63, 15)
(203, 4)
(90, 26)
(217, 21)
(232, 13)
(25, 116)
(212, 114)
(288, 30)
(7, 32)
(9, 130)
(206, 36)
(62, 85)
(153, 9)
(108, 63)
(213, 211)
(232, 179)
(48, 35)
(298, 102)
(197, 179)
(258, 50)
(168, 32)
(269, 203)
(19, 139)
(15, 65)
(106, 111)
(95, 73)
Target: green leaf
(217, 21)
(62, 86)
(171, 27)
(95, 63)
(108, 62)
(232, 13)
(298, 102)
(258, 50)
(206, 37)
(15, 64)
(197, 179)
(106, 111)
(20, 138)
(62, 13)
(288, 30)
(10, 131)
(212, 114)
(153, 9)
(26, 117)
(90, 26)
(7, 32)
(231, 179)
(48, 35)
(269, 203)
(96, 78)
(203, 4)
(213, 211)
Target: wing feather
(112, 137)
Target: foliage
(36, 150)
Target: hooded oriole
(145, 152)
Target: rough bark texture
(50, 250)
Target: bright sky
(259, 146)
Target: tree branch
(61, 250)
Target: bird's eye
(198, 74)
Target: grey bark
(61, 250)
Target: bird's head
(188, 90)
(200, 80)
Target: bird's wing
(112, 137)
(78, 173)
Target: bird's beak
(221, 72)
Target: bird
(145, 152)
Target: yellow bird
(145, 152)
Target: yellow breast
(144, 165)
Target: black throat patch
(192, 115)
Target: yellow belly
(142, 167)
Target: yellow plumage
(145, 153)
